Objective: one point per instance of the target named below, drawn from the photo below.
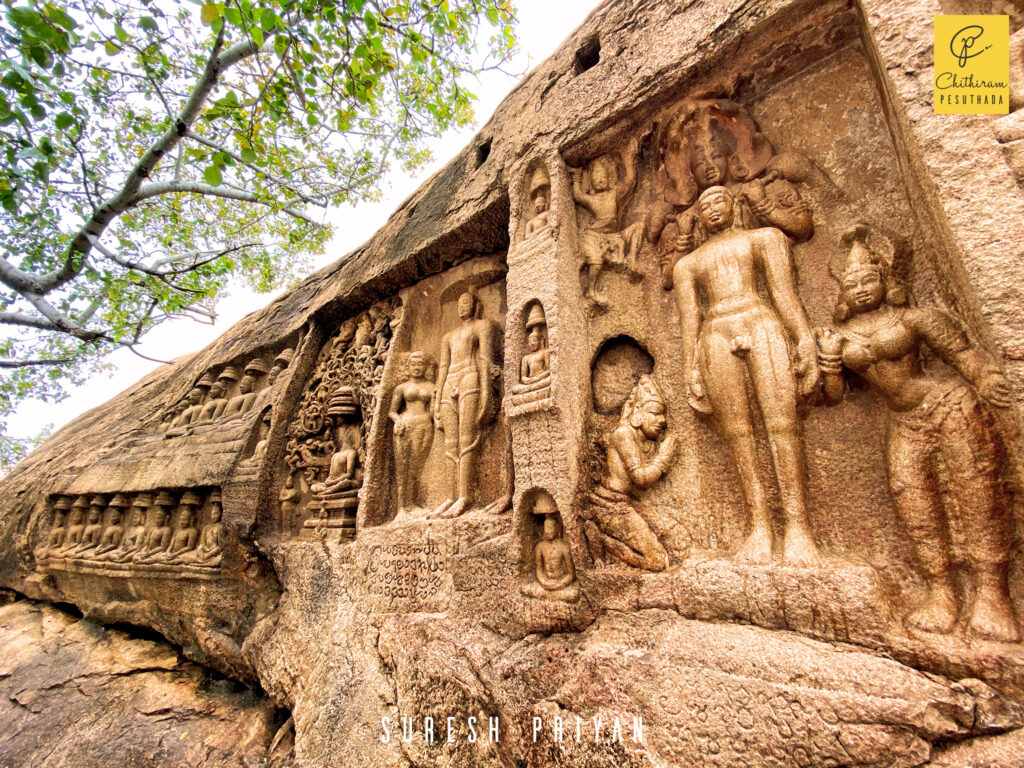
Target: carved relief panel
(446, 449)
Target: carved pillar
(546, 422)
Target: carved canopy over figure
(941, 438)
(600, 191)
(136, 536)
(413, 428)
(553, 569)
(707, 143)
(246, 397)
(742, 336)
(635, 461)
(535, 367)
(462, 400)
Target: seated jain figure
(540, 196)
(744, 338)
(535, 367)
(635, 461)
(553, 566)
(210, 550)
(344, 476)
(134, 540)
(941, 439)
(114, 531)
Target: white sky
(543, 25)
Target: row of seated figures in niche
(208, 402)
(95, 531)
(728, 209)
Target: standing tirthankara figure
(635, 461)
(413, 430)
(741, 335)
(462, 402)
(941, 439)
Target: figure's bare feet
(799, 549)
(461, 505)
(757, 549)
(442, 508)
(992, 617)
(938, 614)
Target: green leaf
(147, 22)
(209, 13)
(248, 155)
(64, 121)
(213, 176)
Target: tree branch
(193, 187)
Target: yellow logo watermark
(972, 65)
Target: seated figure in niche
(246, 397)
(135, 539)
(215, 405)
(413, 430)
(282, 361)
(73, 536)
(535, 367)
(553, 566)
(600, 191)
(540, 196)
(344, 475)
(158, 538)
(192, 407)
(184, 539)
(93, 530)
(210, 550)
(114, 531)
(58, 529)
(635, 461)
(942, 438)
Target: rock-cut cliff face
(674, 422)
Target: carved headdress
(862, 244)
(644, 393)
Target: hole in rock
(587, 55)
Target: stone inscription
(409, 578)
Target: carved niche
(326, 449)
(157, 534)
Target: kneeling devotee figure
(635, 461)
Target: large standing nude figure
(463, 399)
(742, 335)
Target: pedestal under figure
(742, 336)
(553, 569)
(462, 404)
(635, 461)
